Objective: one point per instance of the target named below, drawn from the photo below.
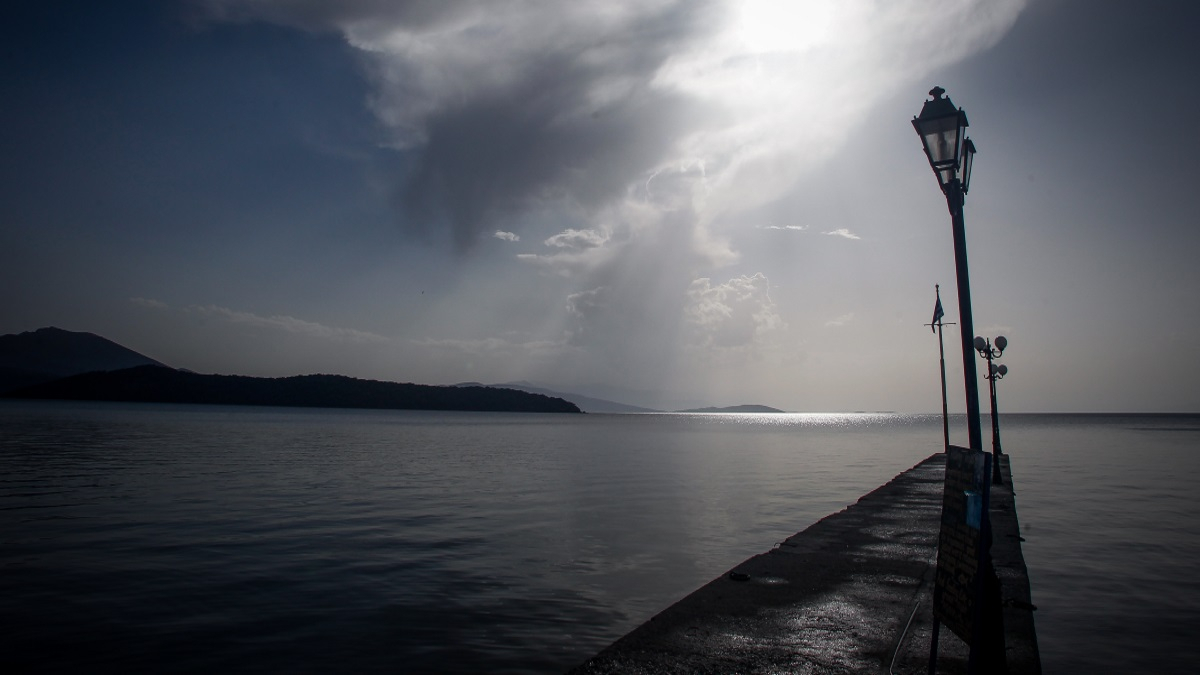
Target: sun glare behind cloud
(616, 146)
(770, 25)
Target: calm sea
(202, 539)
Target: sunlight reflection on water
(201, 538)
(806, 420)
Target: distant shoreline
(734, 409)
(160, 384)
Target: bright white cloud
(577, 239)
(506, 236)
(736, 313)
(842, 232)
(585, 303)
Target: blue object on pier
(974, 507)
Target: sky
(664, 202)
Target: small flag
(937, 314)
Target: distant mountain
(48, 354)
(736, 409)
(159, 384)
(598, 405)
(585, 403)
(656, 400)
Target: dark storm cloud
(506, 106)
(510, 104)
(579, 123)
(500, 155)
(321, 15)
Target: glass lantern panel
(941, 139)
(968, 160)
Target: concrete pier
(851, 594)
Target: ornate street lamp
(942, 129)
(995, 372)
(968, 161)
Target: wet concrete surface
(851, 594)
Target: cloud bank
(511, 104)
(641, 129)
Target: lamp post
(995, 372)
(942, 129)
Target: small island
(735, 409)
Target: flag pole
(937, 326)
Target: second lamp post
(995, 372)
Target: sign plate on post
(960, 544)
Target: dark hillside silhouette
(159, 384)
(585, 403)
(50, 353)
